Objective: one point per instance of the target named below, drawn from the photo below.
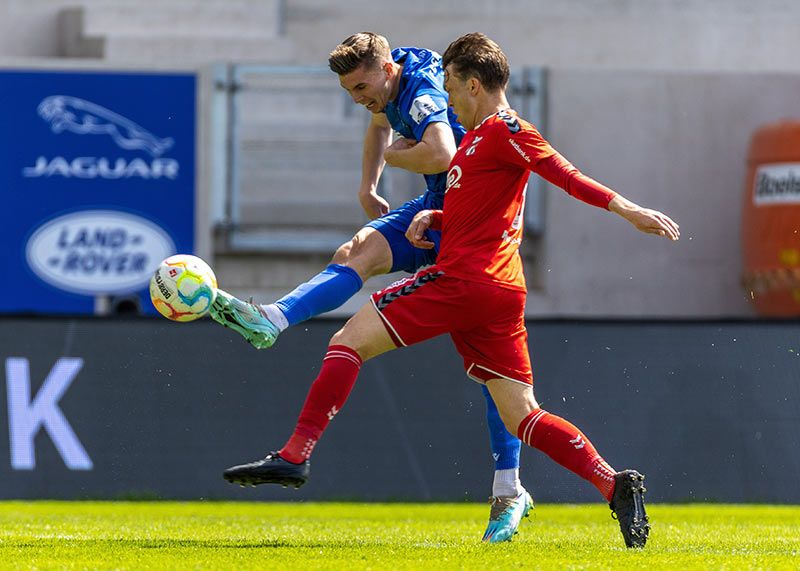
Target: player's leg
(363, 336)
(475, 338)
(367, 334)
(378, 248)
(367, 254)
(567, 445)
(510, 502)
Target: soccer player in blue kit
(404, 90)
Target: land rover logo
(95, 252)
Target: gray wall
(648, 34)
(676, 142)
(708, 411)
(669, 140)
(663, 34)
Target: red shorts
(486, 322)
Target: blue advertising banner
(97, 177)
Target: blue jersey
(422, 100)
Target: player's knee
(342, 254)
(364, 255)
(354, 251)
(344, 338)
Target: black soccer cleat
(627, 506)
(271, 470)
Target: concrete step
(309, 95)
(301, 155)
(197, 49)
(317, 213)
(157, 44)
(229, 18)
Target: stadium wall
(648, 34)
(145, 408)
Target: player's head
(475, 67)
(366, 69)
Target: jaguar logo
(65, 113)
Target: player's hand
(374, 206)
(416, 230)
(645, 219)
(401, 144)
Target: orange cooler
(771, 220)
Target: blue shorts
(393, 226)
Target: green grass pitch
(211, 535)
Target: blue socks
(505, 446)
(326, 291)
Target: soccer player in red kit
(476, 290)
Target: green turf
(161, 535)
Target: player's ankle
(297, 449)
(276, 316)
(506, 483)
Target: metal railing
(292, 154)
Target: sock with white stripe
(326, 397)
(564, 443)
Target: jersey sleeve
(524, 147)
(557, 170)
(520, 144)
(427, 105)
(436, 220)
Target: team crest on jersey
(421, 107)
(453, 177)
(511, 122)
(471, 149)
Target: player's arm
(423, 220)
(560, 172)
(431, 155)
(528, 149)
(376, 140)
(645, 219)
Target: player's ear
(473, 85)
(387, 67)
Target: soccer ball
(183, 288)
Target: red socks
(327, 395)
(564, 443)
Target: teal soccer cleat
(506, 515)
(246, 318)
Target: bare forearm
(422, 158)
(645, 219)
(376, 140)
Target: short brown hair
(476, 55)
(363, 48)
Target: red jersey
(482, 220)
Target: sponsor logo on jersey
(81, 117)
(421, 107)
(777, 184)
(453, 176)
(519, 150)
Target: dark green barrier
(709, 411)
